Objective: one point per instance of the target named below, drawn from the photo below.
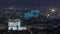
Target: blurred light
(15, 24)
(10, 7)
(53, 10)
(48, 14)
(55, 26)
(31, 13)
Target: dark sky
(29, 3)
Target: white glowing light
(15, 25)
(53, 10)
(48, 14)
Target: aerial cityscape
(29, 16)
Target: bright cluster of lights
(51, 12)
(15, 25)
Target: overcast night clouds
(29, 2)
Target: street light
(53, 10)
(48, 14)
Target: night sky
(29, 3)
